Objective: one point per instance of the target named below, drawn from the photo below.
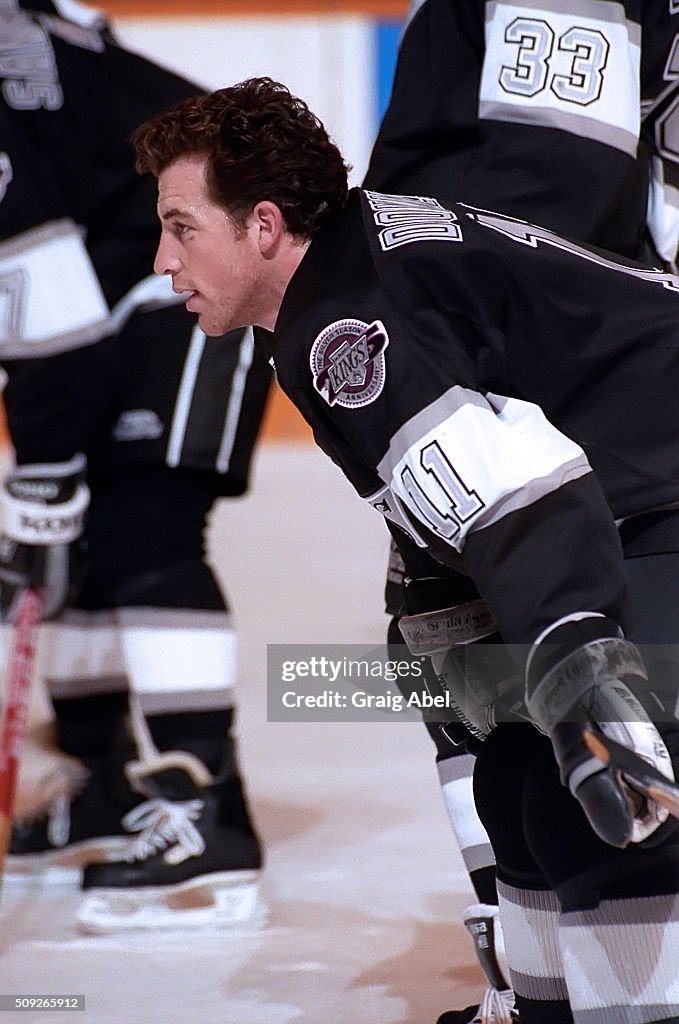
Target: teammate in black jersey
(113, 389)
(560, 115)
(503, 397)
(563, 113)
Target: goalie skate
(635, 771)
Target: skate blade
(637, 773)
(222, 899)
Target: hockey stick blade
(637, 772)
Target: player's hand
(42, 512)
(601, 689)
(469, 666)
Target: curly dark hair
(261, 143)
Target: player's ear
(270, 225)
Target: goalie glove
(600, 689)
(42, 512)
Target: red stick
(15, 708)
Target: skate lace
(164, 823)
(496, 1007)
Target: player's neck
(283, 269)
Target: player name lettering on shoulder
(405, 219)
(531, 235)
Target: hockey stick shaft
(16, 701)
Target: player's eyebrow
(175, 211)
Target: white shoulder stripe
(468, 460)
(50, 296)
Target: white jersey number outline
(531, 73)
(441, 482)
(532, 235)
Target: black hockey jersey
(560, 112)
(97, 346)
(467, 371)
(69, 174)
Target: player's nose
(166, 261)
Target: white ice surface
(363, 883)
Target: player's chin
(213, 326)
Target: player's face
(205, 253)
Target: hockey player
(502, 396)
(115, 397)
(569, 113)
(513, 108)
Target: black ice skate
(195, 862)
(497, 1003)
(77, 822)
(637, 772)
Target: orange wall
(282, 422)
(253, 9)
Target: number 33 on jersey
(564, 64)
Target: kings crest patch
(347, 362)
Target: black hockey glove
(601, 689)
(42, 512)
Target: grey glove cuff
(475, 674)
(581, 686)
(431, 632)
